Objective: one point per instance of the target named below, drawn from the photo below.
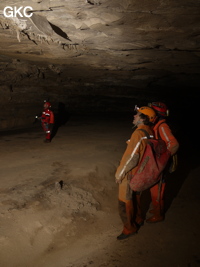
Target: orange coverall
(129, 201)
(163, 131)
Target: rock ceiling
(106, 34)
(130, 44)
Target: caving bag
(153, 162)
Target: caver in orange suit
(129, 201)
(161, 131)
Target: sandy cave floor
(58, 201)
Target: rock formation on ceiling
(95, 54)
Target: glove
(119, 177)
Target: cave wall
(24, 87)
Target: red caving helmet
(160, 108)
(47, 103)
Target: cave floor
(59, 201)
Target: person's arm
(166, 134)
(130, 157)
(51, 119)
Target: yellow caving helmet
(149, 112)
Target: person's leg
(47, 133)
(157, 198)
(126, 210)
(138, 219)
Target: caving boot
(47, 141)
(157, 213)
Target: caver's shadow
(188, 160)
(61, 118)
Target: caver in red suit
(47, 120)
(161, 131)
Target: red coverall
(47, 120)
(129, 201)
(161, 130)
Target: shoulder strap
(146, 133)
